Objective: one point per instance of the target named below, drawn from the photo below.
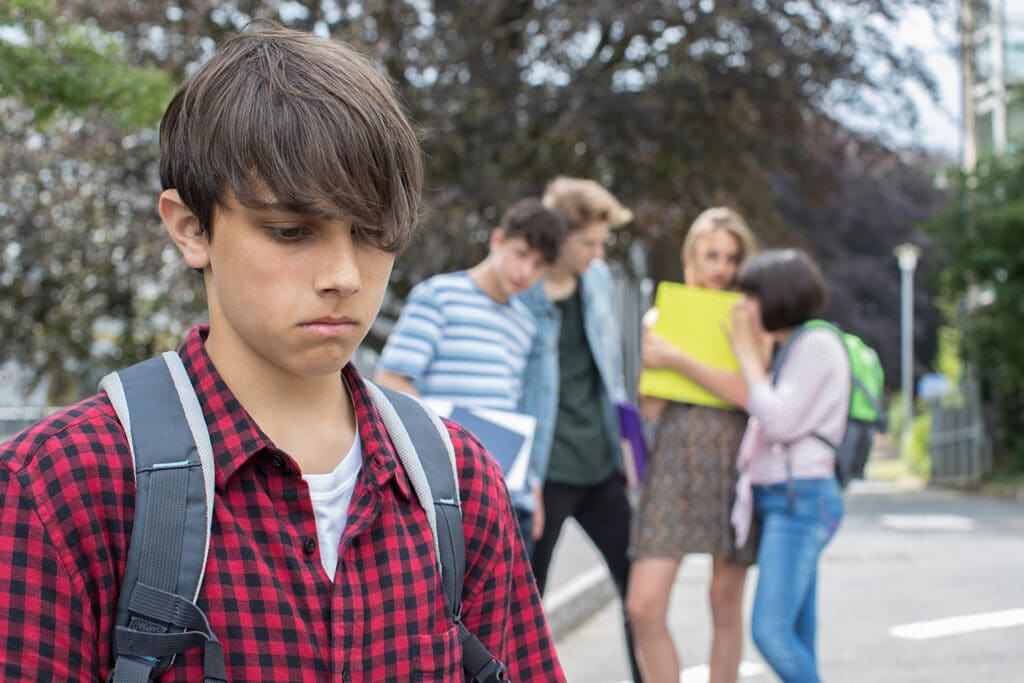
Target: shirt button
(309, 546)
(276, 462)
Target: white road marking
(938, 628)
(928, 522)
(699, 674)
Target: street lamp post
(906, 256)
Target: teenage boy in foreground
(463, 338)
(292, 179)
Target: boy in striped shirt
(463, 337)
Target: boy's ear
(497, 239)
(183, 227)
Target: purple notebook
(634, 450)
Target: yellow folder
(692, 319)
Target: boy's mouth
(330, 327)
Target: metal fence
(959, 448)
(630, 305)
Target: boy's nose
(339, 271)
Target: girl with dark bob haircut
(786, 467)
(788, 285)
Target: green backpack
(865, 417)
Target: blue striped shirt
(457, 344)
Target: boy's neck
(486, 279)
(560, 283)
(312, 419)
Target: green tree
(983, 268)
(77, 268)
(674, 105)
(52, 64)
(879, 199)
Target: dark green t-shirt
(580, 453)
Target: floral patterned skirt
(690, 485)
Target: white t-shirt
(331, 494)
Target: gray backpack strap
(157, 617)
(427, 454)
(425, 449)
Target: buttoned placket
(364, 509)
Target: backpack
(157, 616)
(864, 416)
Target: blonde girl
(689, 485)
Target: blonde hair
(582, 202)
(719, 218)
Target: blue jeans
(794, 531)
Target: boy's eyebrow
(275, 206)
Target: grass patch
(1006, 478)
(887, 469)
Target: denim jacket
(540, 386)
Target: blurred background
(846, 127)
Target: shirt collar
(380, 460)
(235, 437)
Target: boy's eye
(288, 234)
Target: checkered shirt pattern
(66, 509)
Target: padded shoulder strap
(427, 454)
(425, 449)
(174, 477)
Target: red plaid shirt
(66, 508)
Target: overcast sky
(939, 127)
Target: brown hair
(719, 218)
(582, 202)
(541, 228)
(305, 120)
(787, 284)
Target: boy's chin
(323, 365)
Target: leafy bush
(917, 457)
(979, 239)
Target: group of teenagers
(532, 329)
(291, 178)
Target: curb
(1010, 492)
(577, 601)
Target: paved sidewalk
(578, 585)
(595, 644)
(902, 545)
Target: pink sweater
(811, 396)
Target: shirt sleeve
(50, 633)
(795, 405)
(501, 605)
(412, 344)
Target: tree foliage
(879, 199)
(674, 105)
(87, 280)
(979, 237)
(53, 64)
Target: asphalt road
(918, 585)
